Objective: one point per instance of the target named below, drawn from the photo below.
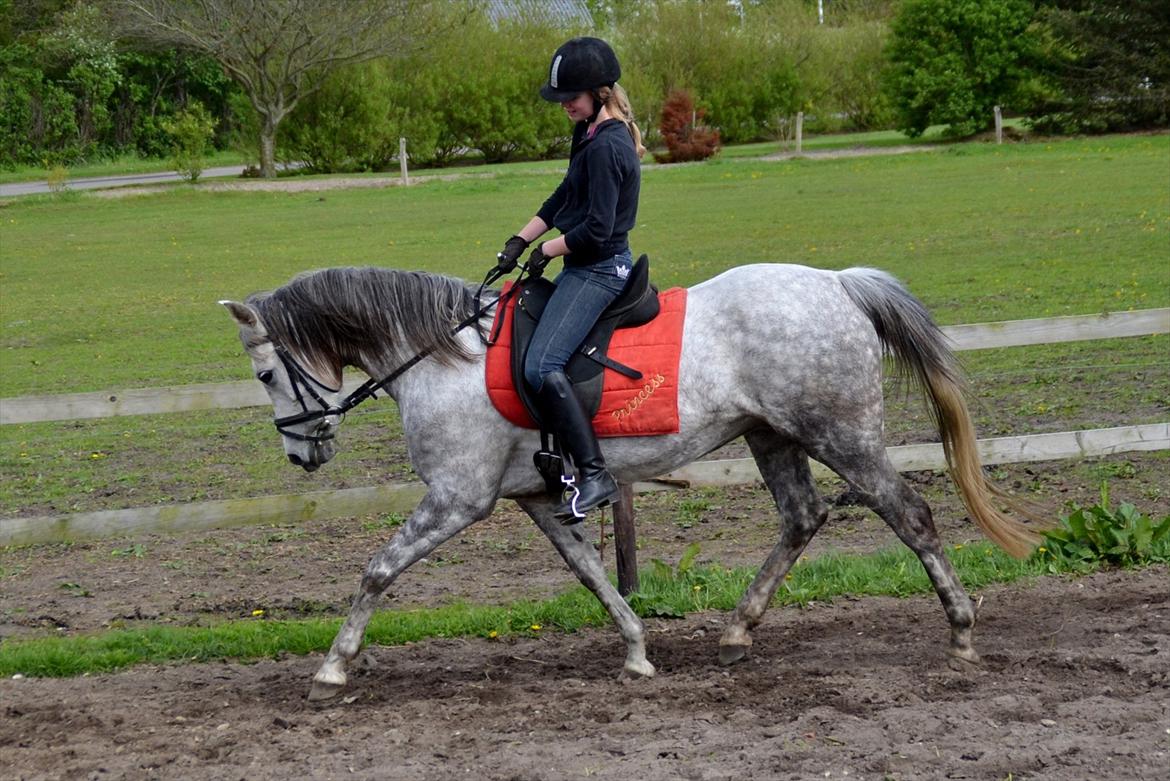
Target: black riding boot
(595, 486)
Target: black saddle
(637, 305)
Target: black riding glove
(537, 261)
(506, 258)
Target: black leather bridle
(300, 378)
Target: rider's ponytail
(618, 103)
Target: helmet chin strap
(597, 107)
(598, 104)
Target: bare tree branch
(280, 51)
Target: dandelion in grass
(536, 627)
(257, 613)
(492, 635)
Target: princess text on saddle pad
(788, 357)
(643, 406)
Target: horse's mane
(349, 316)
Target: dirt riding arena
(1075, 682)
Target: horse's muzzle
(308, 466)
(317, 455)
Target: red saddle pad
(629, 408)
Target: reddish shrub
(685, 138)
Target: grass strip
(665, 591)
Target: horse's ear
(244, 314)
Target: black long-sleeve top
(596, 205)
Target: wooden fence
(403, 497)
(249, 393)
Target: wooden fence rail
(249, 393)
(402, 497)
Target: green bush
(191, 131)
(952, 61)
(69, 94)
(478, 92)
(842, 77)
(1123, 537)
(342, 126)
(743, 68)
(490, 87)
(37, 122)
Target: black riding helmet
(580, 65)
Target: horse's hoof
(730, 654)
(641, 669)
(323, 690)
(965, 660)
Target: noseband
(299, 378)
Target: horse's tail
(910, 335)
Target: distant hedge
(70, 92)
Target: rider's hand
(537, 261)
(506, 258)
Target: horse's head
(301, 402)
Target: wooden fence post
(799, 130)
(625, 543)
(998, 126)
(402, 160)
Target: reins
(299, 376)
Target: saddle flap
(636, 305)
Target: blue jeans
(582, 294)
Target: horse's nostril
(295, 460)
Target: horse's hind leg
(784, 467)
(586, 564)
(883, 490)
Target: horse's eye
(265, 376)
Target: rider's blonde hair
(618, 103)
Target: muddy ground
(1075, 681)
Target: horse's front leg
(585, 563)
(438, 517)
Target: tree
(952, 61)
(279, 51)
(1109, 65)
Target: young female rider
(594, 208)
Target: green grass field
(107, 294)
(121, 293)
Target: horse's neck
(429, 375)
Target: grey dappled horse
(788, 357)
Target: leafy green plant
(690, 512)
(652, 598)
(384, 521)
(191, 132)
(56, 178)
(1123, 537)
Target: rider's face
(579, 108)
